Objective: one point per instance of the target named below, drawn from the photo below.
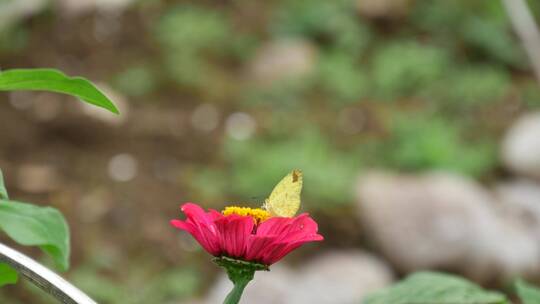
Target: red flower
(247, 234)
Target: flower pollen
(259, 215)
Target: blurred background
(416, 123)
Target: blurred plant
(493, 39)
(139, 285)
(329, 171)
(287, 94)
(188, 35)
(342, 78)
(531, 94)
(528, 293)
(418, 143)
(101, 287)
(473, 85)
(209, 184)
(332, 22)
(432, 287)
(136, 81)
(28, 224)
(481, 27)
(406, 68)
(196, 41)
(188, 29)
(13, 39)
(429, 16)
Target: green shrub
(475, 85)
(187, 29)
(493, 40)
(329, 173)
(194, 39)
(419, 142)
(479, 29)
(332, 22)
(342, 78)
(405, 69)
(136, 81)
(290, 93)
(531, 94)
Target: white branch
(527, 30)
(42, 277)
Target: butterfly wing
(285, 198)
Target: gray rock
(521, 199)
(383, 8)
(340, 277)
(76, 7)
(521, 146)
(283, 60)
(444, 221)
(335, 277)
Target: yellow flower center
(258, 214)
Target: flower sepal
(239, 270)
(240, 273)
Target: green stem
(236, 293)
(240, 273)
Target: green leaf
(435, 288)
(528, 293)
(54, 81)
(32, 225)
(3, 190)
(8, 275)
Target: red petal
(257, 245)
(201, 226)
(234, 231)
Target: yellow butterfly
(285, 198)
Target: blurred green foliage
(402, 69)
(110, 280)
(13, 39)
(191, 37)
(198, 44)
(531, 94)
(342, 79)
(136, 286)
(423, 82)
(480, 28)
(334, 24)
(443, 64)
(420, 142)
(258, 165)
(136, 81)
(475, 85)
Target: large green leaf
(54, 81)
(435, 288)
(8, 275)
(3, 190)
(527, 293)
(32, 225)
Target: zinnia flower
(247, 234)
(245, 240)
